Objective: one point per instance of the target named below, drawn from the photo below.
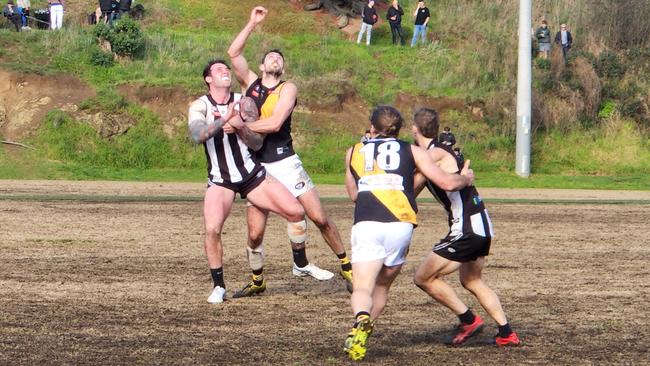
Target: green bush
(101, 58)
(125, 36)
(543, 63)
(607, 109)
(609, 65)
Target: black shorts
(463, 248)
(244, 187)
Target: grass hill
(124, 119)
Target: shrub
(127, 39)
(125, 36)
(607, 109)
(608, 65)
(101, 58)
(543, 63)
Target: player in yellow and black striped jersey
(465, 247)
(379, 178)
(276, 100)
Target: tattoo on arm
(252, 139)
(200, 129)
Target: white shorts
(289, 171)
(372, 240)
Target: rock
(343, 21)
(311, 7)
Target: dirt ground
(117, 281)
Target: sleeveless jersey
(229, 159)
(465, 210)
(383, 169)
(278, 145)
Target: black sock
(504, 330)
(360, 314)
(467, 317)
(300, 257)
(217, 277)
(258, 279)
(345, 261)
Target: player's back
(465, 208)
(383, 169)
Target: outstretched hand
(468, 172)
(258, 14)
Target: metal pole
(524, 89)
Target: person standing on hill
(56, 13)
(422, 17)
(23, 8)
(10, 13)
(394, 17)
(368, 19)
(276, 99)
(465, 246)
(564, 39)
(543, 35)
(447, 138)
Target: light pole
(524, 89)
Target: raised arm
(281, 112)
(244, 75)
(446, 181)
(199, 127)
(350, 183)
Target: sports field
(114, 273)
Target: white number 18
(387, 157)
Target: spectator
(124, 7)
(543, 35)
(394, 17)
(106, 7)
(422, 17)
(564, 39)
(366, 136)
(447, 138)
(23, 9)
(369, 18)
(56, 14)
(10, 12)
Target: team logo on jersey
(476, 200)
(300, 185)
(451, 250)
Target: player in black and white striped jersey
(231, 167)
(465, 246)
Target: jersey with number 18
(383, 169)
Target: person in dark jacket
(394, 17)
(447, 138)
(543, 35)
(11, 13)
(564, 39)
(369, 18)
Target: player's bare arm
(442, 159)
(350, 182)
(245, 76)
(281, 112)
(444, 180)
(247, 112)
(200, 129)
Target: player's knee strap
(297, 231)
(255, 257)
